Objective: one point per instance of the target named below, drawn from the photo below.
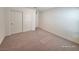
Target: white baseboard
(75, 40)
(1, 39)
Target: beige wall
(2, 25)
(62, 22)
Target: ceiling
(43, 8)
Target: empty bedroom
(39, 29)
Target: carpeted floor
(38, 40)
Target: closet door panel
(29, 20)
(15, 22)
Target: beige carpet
(38, 40)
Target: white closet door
(29, 19)
(15, 22)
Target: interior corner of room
(61, 21)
